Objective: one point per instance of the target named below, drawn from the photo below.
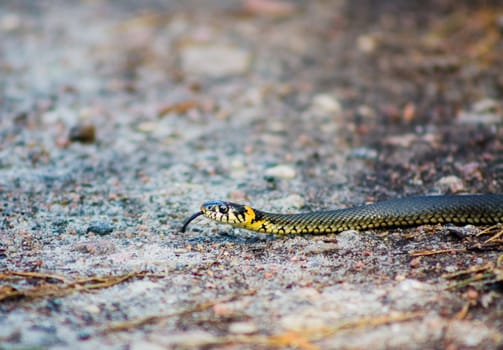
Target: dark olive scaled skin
(483, 209)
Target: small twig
(488, 230)
(434, 252)
(141, 321)
(497, 235)
(104, 282)
(479, 277)
(374, 321)
(290, 339)
(52, 290)
(461, 315)
(468, 271)
(9, 274)
(499, 261)
(304, 339)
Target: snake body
(483, 209)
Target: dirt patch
(117, 120)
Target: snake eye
(223, 209)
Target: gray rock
(100, 227)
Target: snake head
(224, 212)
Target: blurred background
(118, 118)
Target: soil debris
(118, 119)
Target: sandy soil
(118, 119)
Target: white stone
(450, 183)
(327, 103)
(243, 328)
(281, 171)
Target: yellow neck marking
(250, 221)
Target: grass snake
(476, 209)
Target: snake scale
(477, 209)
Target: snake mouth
(189, 220)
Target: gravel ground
(118, 119)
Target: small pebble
(400, 278)
(359, 265)
(300, 321)
(410, 285)
(366, 43)
(243, 328)
(95, 247)
(282, 172)
(180, 250)
(479, 118)
(472, 294)
(451, 268)
(54, 304)
(222, 309)
(186, 339)
(84, 133)
(146, 127)
(415, 262)
(84, 334)
(451, 184)
(409, 112)
(100, 228)
(485, 105)
(321, 247)
(92, 309)
(485, 111)
(363, 153)
(403, 140)
(327, 103)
